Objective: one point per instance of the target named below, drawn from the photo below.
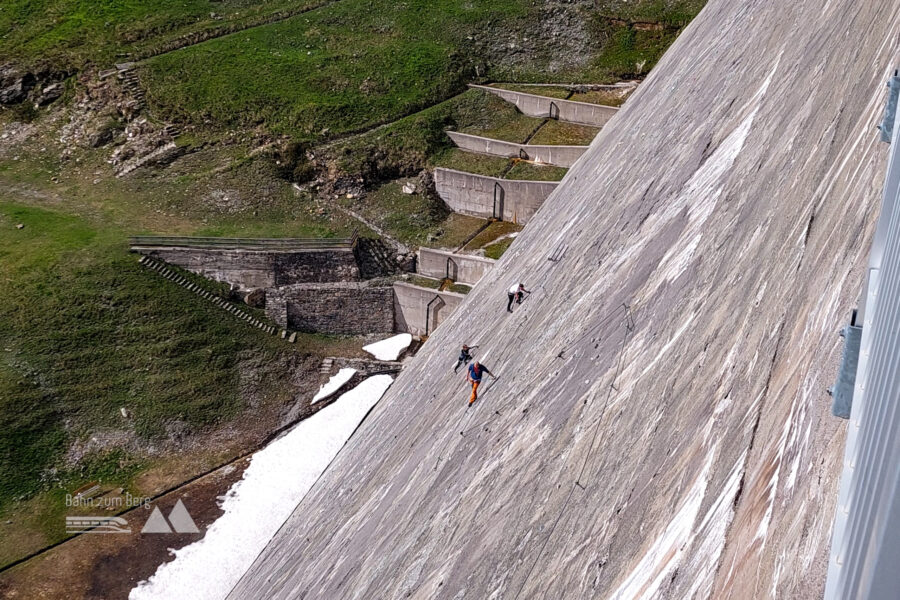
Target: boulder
(256, 298)
(50, 93)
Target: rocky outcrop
(18, 86)
(660, 426)
(15, 85)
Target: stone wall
(475, 195)
(411, 312)
(560, 156)
(347, 308)
(582, 113)
(464, 268)
(315, 266)
(261, 269)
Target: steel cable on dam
(628, 326)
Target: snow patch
(390, 348)
(277, 479)
(709, 539)
(667, 551)
(334, 384)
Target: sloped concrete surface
(678, 448)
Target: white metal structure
(865, 551)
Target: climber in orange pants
(476, 371)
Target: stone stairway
(132, 85)
(162, 155)
(376, 258)
(326, 366)
(163, 270)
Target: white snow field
(390, 348)
(334, 384)
(255, 507)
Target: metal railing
(220, 243)
(865, 546)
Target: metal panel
(865, 547)
(842, 391)
(890, 111)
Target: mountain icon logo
(180, 520)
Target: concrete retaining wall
(476, 194)
(411, 308)
(583, 113)
(347, 308)
(559, 156)
(463, 267)
(262, 269)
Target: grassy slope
(673, 13)
(495, 230)
(414, 142)
(354, 64)
(559, 132)
(535, 172)
(66, 34)
(408, 217)
(495, 251)
(85, 330)
(480, 164)
(348, 66)
(540, 90)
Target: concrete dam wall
(659, 428)
(463, 268)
